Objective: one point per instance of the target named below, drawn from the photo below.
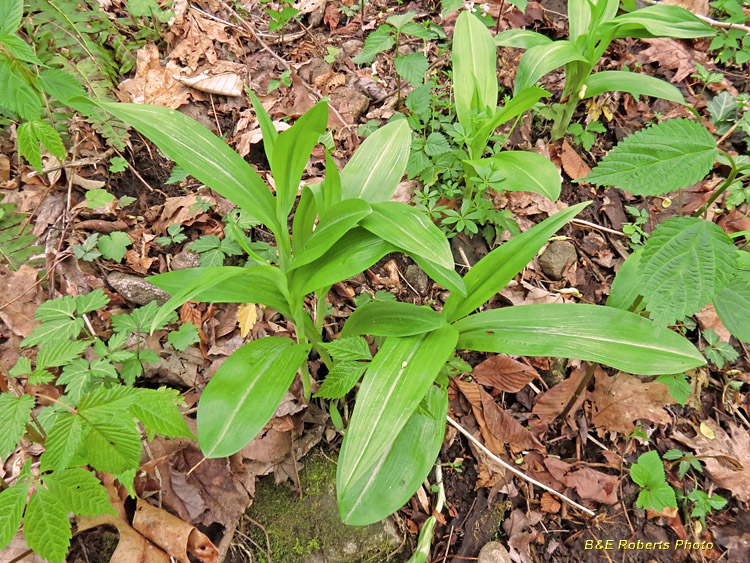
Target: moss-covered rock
(308, 529)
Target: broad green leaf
(185, 336)
(59, 353)
(648, 473)
(593, 333)
(334, 224)
(579, 20)
(392, 318)
(63, 440)
(49, 138)
(56, 309)
(15, 414)
(474, 75)
(538, 61)
(54, 330)
(28, 144)
(303, 222)
(436, 144)
(632, 82)
(393, 479)
(662, 158)
(112, 443)
(11, 13)
(341, 379)
(722, 107)
(291, 151)
(685, 263)
(245, 392)
(331, 188)
(412, 67)
(46, 526)
(12, 503)
(114, 245)
(446, 277)
(657, 497)
(91, 301)
(79, 492)
(203, 155)
(521, 38)
(377, 166)
(18, 96)
(524, 171)
(627, 284)
(105, 401)
(521, 102)
(733, 307)
(493, 272)
(376, 42)
(394, 385)
(267, 128)
(61, 84)
(157, 410)
(224, 284)
(410, 230)
(349, 348)
(679, 386)
(19, 48)
(356, 251)
(398, 21)
(659, 21)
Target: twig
(598, 227)
(512, 469)
(712, 22)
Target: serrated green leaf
(341, 379)
(91, 301)
(112, 443)
(56, 309)
(21, 98)
(12, 503)
(671, 155)
(657, 498)
(185, 336)
(28, 145)
(722, 107)
(15, 414)
(63, 440)
(648, 471)
(54, 330)
(733, 307)
(49, 138)
(79, 492)
(349, 348)
(378, 41)
(679, 386)
(436, 144)
(157, 410)
(79, 376)
(59, 353)
(412, 67)
(685, 262)
(11, 13)
(418, 100)
(20, 49)
(103, 401)
(114, 245)
(399, 20)
(46, 526)
(98, 198)
(22, 367)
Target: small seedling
(118, 164)
(687, 462)
(98, 198)
(704, 504)
(717, 351)
(649, 474)
(285, 78)
(586, 137)
(174, 235)
(634, 230)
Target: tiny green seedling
(118, 164)
(174, 235)
(687, 462)
(648, 473)
(717, 351)
(586, 136)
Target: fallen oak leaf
(504, 373)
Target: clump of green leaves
(731, 45)
(703, 504)
(717, 351)
(634, 230)
(112, 246)
(648, 473)
(686, 462)
(281, 16)
(174, 236)
(586, 137)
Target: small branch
(512, 469)
(597, 227)
(712, 22)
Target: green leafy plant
(98, 198)
(717, 351)
(281, 16)
(91, 424)
(212, 250)
(634, 230)
(706, 77)
(704, 504)
(285, 78)
(174, 236)
(686, 462)
(593, 24)
(648, 473)
(398, 421)
(732, 45)
(586, 136)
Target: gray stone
(136, 290)
(185, 259)
(494, 552)
(352, 47)
(417, 279)
(558, 256)
(313, 69)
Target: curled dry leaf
(622, 399)
(549, 504)
(572, 163)
(18, 297)
(506, 428)
(504, 373)
(588, 483)
(174, 536)
(551, 403)
(224, 84)
(734, 445)
(132, 547)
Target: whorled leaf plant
(593, 25)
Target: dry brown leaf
(588, 483)
(4, 168)
(153, 83)
(674, 55)
(572, 163)
(551, 403)
(504, 373)
(180, 210)
(223, 84)
(18, 299)
(549, 504)
(132, 546)
(506, 428)
(247, 316)
(699, 7)
(708, 318)
(619, 401)
(331, 16)
(735, 445)
(472, 394)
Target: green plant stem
(561, 125)
(721, 189)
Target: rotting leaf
(506, 428)
(504, 373)
(588, 483)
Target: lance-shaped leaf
(631, 82)
(352, 254)
(474, 63)
(392, 318)
(410, 230)
(606, 335)
(267, 128)
(524, 171)
(733, 306)
(579, 18)
(245, 392)
(493, 272)
(291, 151)
(334, 224)
(539, 60)
(202, 155)
(377, 166)
(659, 21)
(627, 283)
(399, 376)
(521, 38)
(392, 480)
(669, 156)
(213, 284)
